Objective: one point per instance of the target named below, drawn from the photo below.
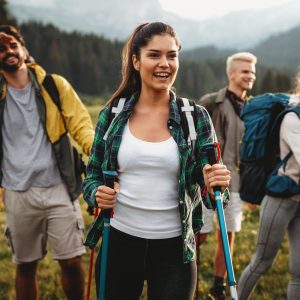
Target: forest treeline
(93, 63)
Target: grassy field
(272, 286)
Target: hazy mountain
(280, 50)
(206, 53)
(116, 18)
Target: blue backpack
(260, 148)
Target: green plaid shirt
(104, 157)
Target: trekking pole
(109, 178)
(211, 155)
(96, 212)
(198, 264)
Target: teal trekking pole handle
(213, 158)
(109, 178)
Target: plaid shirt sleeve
(205, 134)
(94, 176)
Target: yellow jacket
(73, 119)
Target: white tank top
(147, 204)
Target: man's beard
(10, 68)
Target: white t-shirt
(28, 158)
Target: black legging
(132, 259)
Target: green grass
(91, 100)
(271, 286)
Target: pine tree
(5, 16)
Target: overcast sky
(203, 9)
(195, 9)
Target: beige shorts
(233, 215)
(39, 215)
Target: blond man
(224, 107)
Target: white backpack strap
(115, 110)
(187, 109)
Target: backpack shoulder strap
(50, 86)
(282, 162)
(273, 135)
(116, 108)
(187, 114)
(277, 122)
(296, 110)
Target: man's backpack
(187, 116)
(260, 144)
(50, 87)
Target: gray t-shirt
(28, 157)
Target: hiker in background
(41, 195)
(155, 200)
(224, 108)
(279, 214)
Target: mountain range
(115, 19)
(280, 50)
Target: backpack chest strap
(187, 109)
(118, 109)
(115, 110)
